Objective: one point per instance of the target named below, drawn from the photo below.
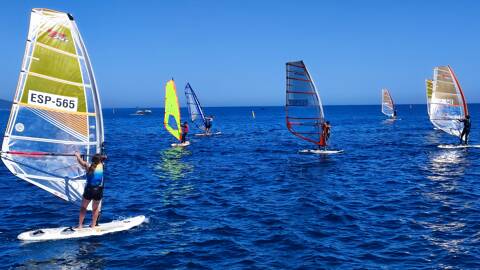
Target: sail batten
(447, 105)
(303, 105)
(56, 108)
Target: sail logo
(298, 102)
(445, 101)
(57, 35)
(445, 76)
(52, 101)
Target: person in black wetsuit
(184, 127)
(466, 129)
(208, 124)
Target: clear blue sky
(234, 52)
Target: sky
(233, 53)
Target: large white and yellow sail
(447, 103)
(56, 108)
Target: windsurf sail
(429, 86)
(194, 108)
(388, 107)
(172, 111)
(303, 105)
(56, 109)
(447, 104)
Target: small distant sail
(194, 108)
(253, 114)
(303, 105)
(447, 105)
(172, 110)
(56, 109)
(429, 87)
(388, 107)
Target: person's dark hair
(328, 122)
(468, 116)
(96, 159)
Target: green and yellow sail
(172, 110)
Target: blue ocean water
(248, 200)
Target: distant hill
(5, 105)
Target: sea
(247, 199)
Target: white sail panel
(56, 109)
(447, 104)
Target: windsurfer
(93, 189)
(466, 130)
(184, 127)
(208, 124)
(325, 134)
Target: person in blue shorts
(93, 189)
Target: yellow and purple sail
(56, 109)
(447, 104)
(388, 107)
(303, 105)
(172, 111)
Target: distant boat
(447, 104)
(253, 114)
(304, 108)
(388, 107)
(142, 112)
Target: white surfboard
(187, 143)
(320, 152)
(69, 232)
(209, 134)
(458, 146)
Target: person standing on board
(325, 134)
(184, 127)
(208, 124)
(466, 129)
(93, 188)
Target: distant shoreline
(262, 106)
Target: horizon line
(253, 106)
